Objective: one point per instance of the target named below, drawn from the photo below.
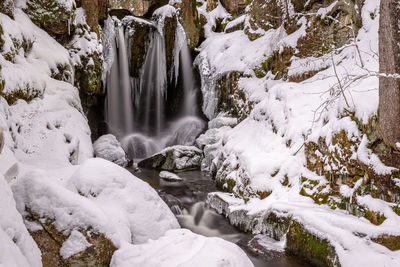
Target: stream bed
(186, 199)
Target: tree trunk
(389, 63)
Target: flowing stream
(187, 200)
(135, 113)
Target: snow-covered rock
(108, 147)
(170, 176)
(175, 158)
(98, 194)
(17, 248)
(182, 248)
(221, 121)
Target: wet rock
(315, 249)
(108, 147)
(175, 158)
(190, 21)
(139, 34)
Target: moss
(263, 194)
(372, 15)
(230, 184)
(376, 218)
(389, 241)
(396, 209)
(26, 94)
(314, 249)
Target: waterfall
(149, 99)
(119, 110)
(135, 106)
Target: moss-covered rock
(7, 7)
(311, 247)
(28, 93)
(231, 98)
(53, 16)
(389, 241)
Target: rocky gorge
(278, 100)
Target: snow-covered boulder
(108, 147)
(175, 158)
(17, 247)
(103, 201)
(169, 176)
(182, 248)
(219, 122)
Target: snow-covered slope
(263, 159)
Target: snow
(108, 147)
(50, 131)
(99, 194)
(169, 176)
(17, 248)
(74, 244)
(267, 147)
(181, 248)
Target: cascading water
(119, 112)
(149, 102)
(136, 106)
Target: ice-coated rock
(175, 158)
(108, 147)
(222, 121)
(169, 176)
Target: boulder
(175, 158)
(136, 7)
(169, 176)
(109, 148)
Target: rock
(169, 176)
(234, 6)
(315, 249)
(222, 121)
(1, 140)
(190, 21)
(182, 248)
(52, 16)
(137, 7)
(175, 158)
(56, 251)
(139, 30)
(7, 7)
(109, 148)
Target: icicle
(69, 26)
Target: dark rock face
(51, 16)
(190, 21)
(50, 241)
(234, 6)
